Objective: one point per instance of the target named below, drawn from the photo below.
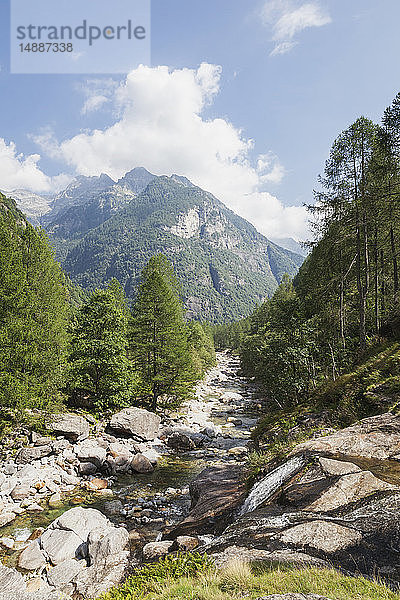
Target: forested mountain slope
(225, 266)
(103, 229)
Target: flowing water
(225, 402)
(264, 489)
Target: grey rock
(285, 557)
(21, 491)
(107, 547)
(9, 469)
(59, 545)
(141, 464)
(32, 558)
(87, 468)
(154, 550)
(137, 423)
(94, 581)
(336, 468)
(6, 517)
(92, 453)
(81, 521)
(321, 535)
(350, 488)
(69, 425)
(7, 543)
(180, 442)
(27, 455)
(375, 437)
(64, 572)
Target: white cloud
(288, 18)
(161, 126)
(269, 168)
(19, 171)
(97, 93)
(282, 48)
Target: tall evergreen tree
(33, 313)
(159, 340)
(101, 375)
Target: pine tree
(101, 375)
(33, 314)
(159, 339)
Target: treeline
(345, 297)
(58, 345)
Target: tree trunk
(395, 266)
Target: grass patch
(169, 580)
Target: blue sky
(254, 125)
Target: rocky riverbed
(133, 471)
(85, 505)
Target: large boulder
(137, 423)
(69, 425)
(107, 546)
(27, 455)
(216, 493)
(81, 521)
(59, 545)
(64, 572)
(375, 437)
(81, 552)
(90, 451)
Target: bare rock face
(137, 423)
(350, 488)
(337, 467)
(374, 437)
(321, 535)
(71, 426)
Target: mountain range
(103, 229)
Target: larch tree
(159, 336)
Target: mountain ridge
(226, 266)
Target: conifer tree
(101, 375)
(33, 313)
(159, 339)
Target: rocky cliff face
(102, 229)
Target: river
(225, 405)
